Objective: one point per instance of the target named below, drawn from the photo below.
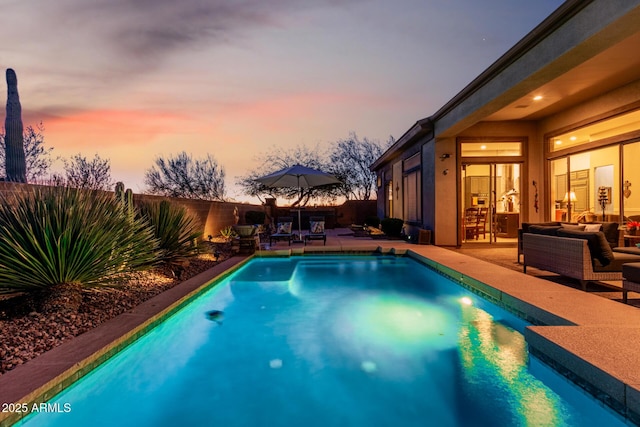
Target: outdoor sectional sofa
(567, 250)
(610, 230)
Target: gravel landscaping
(26, 333)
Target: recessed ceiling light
(483, 147)
(573, 138)
(558, 142)
(537, 97)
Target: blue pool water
(329, 341)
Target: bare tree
(276, 159)
(350, 159)
(37, 156)
(182, 176)
(92, 174)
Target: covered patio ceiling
(610, 69)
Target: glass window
(631, 181)
(594, 175)
(411, 163)
(412, 196)
(618, 125)
(490, 149)
(590, 190)
(559, 188)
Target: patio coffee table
(631, 282)
(630, 240)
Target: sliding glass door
(490, 202)
(631, 181)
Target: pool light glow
(466, 301)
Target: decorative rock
(25, 336)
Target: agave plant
(227, 233)
(57, 238)
(177, 231)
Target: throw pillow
(592, 227)
(611, 233)
(598, 246)
(316, 227)
(575, 227)
(284, 228)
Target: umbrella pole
(299, 217)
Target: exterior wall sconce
(444, 156)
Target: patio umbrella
(298, 176)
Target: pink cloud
(98, 128)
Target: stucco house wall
(568, 58)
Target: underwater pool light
(466, 301)
(398, 324)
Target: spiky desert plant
(57, 240)
(227, 233)
(15, 161)
(177, 231)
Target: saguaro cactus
(15, 163)
(119, 192)
(128, 203)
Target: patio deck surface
(594, 339)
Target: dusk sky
(132, 80)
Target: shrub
(392, 226)
(57, 237)
(177, 231)
(228, 232)
(254, 217)
(372, 221)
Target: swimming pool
(327, 340)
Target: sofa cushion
(284, 228)
(547, 230)
(628, 250)
(599, 248)
(610, 230)
(526, 225)
(618, 263)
